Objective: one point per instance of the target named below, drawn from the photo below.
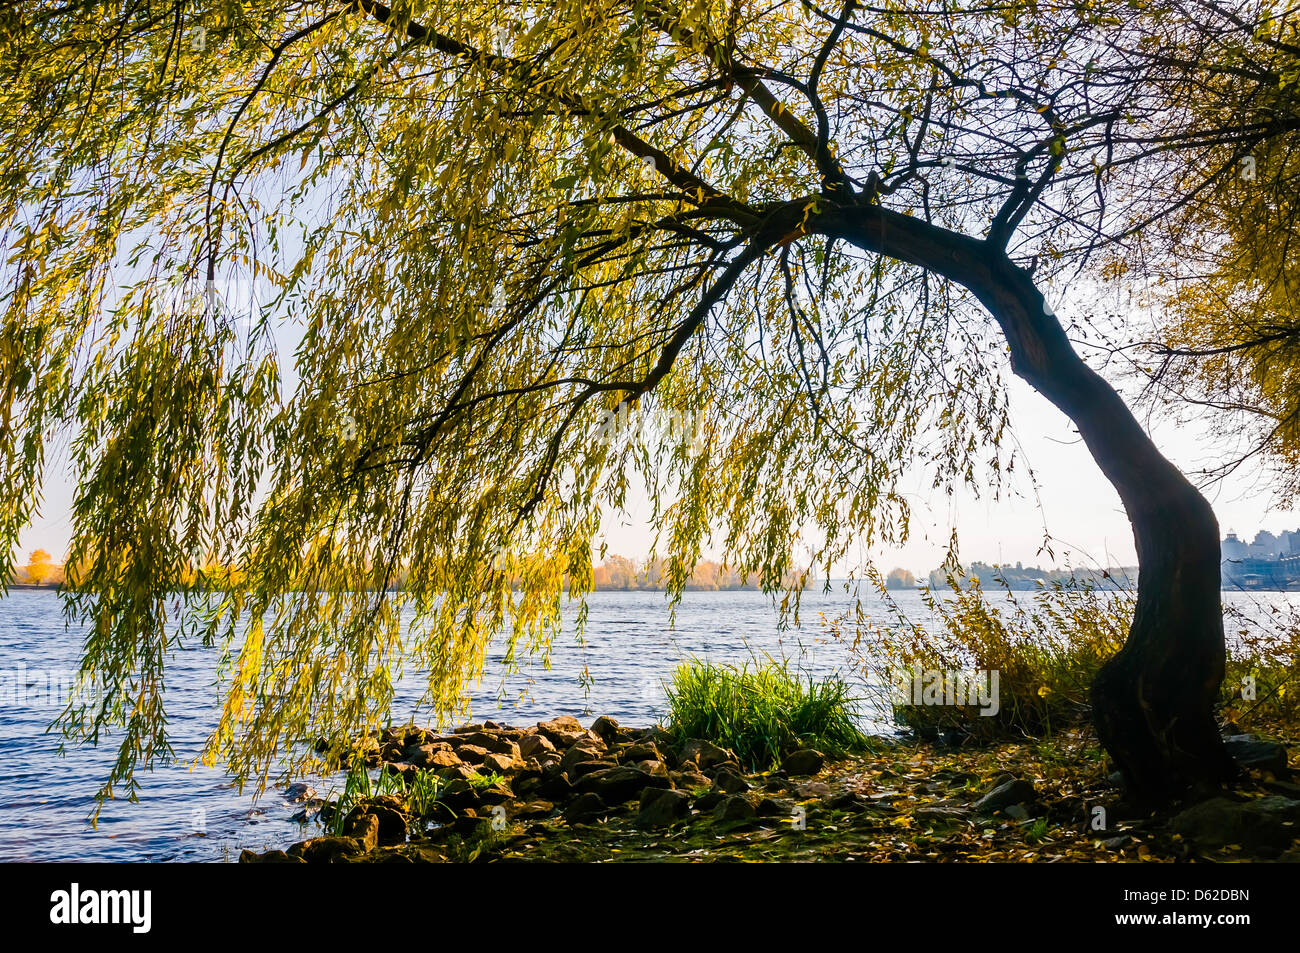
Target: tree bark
(1153, 703)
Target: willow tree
(820, 234)
(1231, 238)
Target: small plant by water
(418, 793)
(763, 711)
(1047, 646)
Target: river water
(188, 813)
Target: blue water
(194, 813)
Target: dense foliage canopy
(340, 294)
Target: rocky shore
(558, 791)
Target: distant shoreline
(835, 584)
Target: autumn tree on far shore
(41, 570)
(619, 572)
(900, 579)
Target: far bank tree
(821, 233)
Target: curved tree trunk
(1153, 702)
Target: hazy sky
(1078, 506)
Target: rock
(327, 850)
(641, 751)
(729, 782)
(1014, 791)
(547, 758)
(492, 743)
(564, 723)
(563, 731)
(464, 825)
(501, 763)
(655, 769)
(846, 801)
(305, 815)
(299, 791)
(402, 769)
(1266, 822)
(618, 784)
(707, 802)
(803, 761)
(471, 754)
(660, 807)
(394, 749)
(364, 827)
(585, 809)
(458, 771)
(496, 794)
(270, 857)
(506, 731)
(526, 809)
(533, 745)
(584, 750)
(555, 784)
(419, 736)
(433, 756)
(704, 753)
(658, 736)
(458, 794)
(391, 826)
(606, 728)
(811, 789)
(1251, 752)
(690, 780)
(774, 807)
(525, 785)
(733, 809)
(392, 734)
(956, 779)
(587, 767)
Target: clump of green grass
(421, 792)
(762, 712)
(482, 781)
(418, 794)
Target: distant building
(1233, 548)
(1267, 562)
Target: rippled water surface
(195, 813)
